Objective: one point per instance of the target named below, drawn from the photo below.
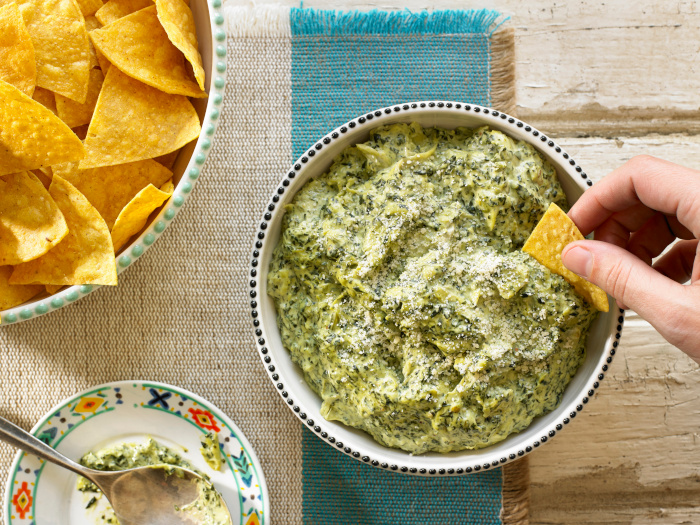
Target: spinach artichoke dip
(205, 510)
(403, 295)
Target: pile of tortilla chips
(94, 108)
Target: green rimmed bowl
(209, 20)
(130, 412)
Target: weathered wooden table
(610, 80)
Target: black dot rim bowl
(288, 379)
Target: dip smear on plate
(205, 510)
(403, 295)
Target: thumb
(626, 277)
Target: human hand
(636, 212)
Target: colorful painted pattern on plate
(21, 504)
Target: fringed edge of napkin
(266, 20)
(502, 51)
(405, 22)
(515, 506)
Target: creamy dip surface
(402, 293)
(207, 509)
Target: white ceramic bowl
(209, 22)
(288, 378)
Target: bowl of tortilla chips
(107, 113)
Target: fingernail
(578, 260)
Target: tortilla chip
(89, 7)
(46, 98)
(53, 288)
(133, 121)
(116, 9)
(546, 242)
(61, 45)
(10, 295)
(111, 188)
(178, 22)
(44, 175)
(135, 214)
(17, 61)
(85, 256)
(94, 63)
(168, 160)
(30, 221)
(102, 61)
(75, 114)
(31, 136)
(138, 45)
(92, 23)
(168, 187)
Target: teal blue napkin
(345, 64)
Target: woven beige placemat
(180, 315)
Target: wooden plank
(618, 56)
(600, 155)
(596, 120)
(632, 455)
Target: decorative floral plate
(40, 493)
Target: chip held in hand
(546, 242)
